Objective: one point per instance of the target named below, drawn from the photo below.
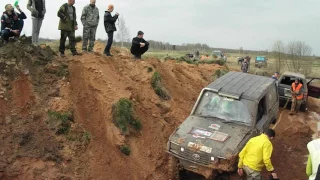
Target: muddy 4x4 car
(228, 112)
(309, 88)
(261, 61)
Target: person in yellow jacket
(255, 155)
(313, 164)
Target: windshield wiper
(239, 122)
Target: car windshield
(213, 105)
(260, 58)
(217, 53)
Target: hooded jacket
(65, 23)
(37, 8)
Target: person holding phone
(110, 27)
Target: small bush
(136, 124)
(150, 69)
(123, 114)
(63, 119)
(86, 136)
(78, 39)
(158, 86)
(125, 150)
(63, 71)
(220, 72)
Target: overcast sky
(252, 24)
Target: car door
(314, 87)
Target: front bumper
(219, 164)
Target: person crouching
(139, 45)
(11, 22)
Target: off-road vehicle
(260, 61)
(309, 89)
(228, 112)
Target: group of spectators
(12, 24)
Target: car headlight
(182, 149)
(212, 158)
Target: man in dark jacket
(68, 25)
(38, 10)
(11, 22)
(139, 45)
(109, 25)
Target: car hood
(185, 136)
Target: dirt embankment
(37, 88)
(36, 85)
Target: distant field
(313, 65)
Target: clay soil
(87, 86)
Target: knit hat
(110, 6)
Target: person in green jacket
(68, 25)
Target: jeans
(72, 41)
(36, 26)
(6, 34)
(138, 51)
(109, 43)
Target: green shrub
(86, 136)
(123, 114)
(150, 69)
(220, 72)
(125, 150)
(63, 121)
(158, 87)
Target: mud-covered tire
(173, 168)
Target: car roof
(260, 56)
(242, 85)
(288, 73)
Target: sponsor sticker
(199, 147)
(215, 126)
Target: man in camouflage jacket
(90, 20)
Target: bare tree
(241, 50)
(298, 53)
(279, 53)
(123, 31)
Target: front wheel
(173, 168)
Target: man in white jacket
(38, 10)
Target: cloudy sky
(252, 24)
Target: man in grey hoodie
(38, 10)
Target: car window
(288, 80)
(213, 105)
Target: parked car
(228, 112)
(261, 61)
(240, 60)
(284, 88)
